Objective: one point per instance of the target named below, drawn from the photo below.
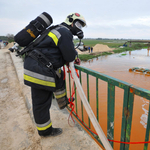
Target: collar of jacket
(65, 25)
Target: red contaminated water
(117, 66)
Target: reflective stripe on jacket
(58, 47)
(39, 78)
(55, 35)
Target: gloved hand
(77, 61)
(67, 64)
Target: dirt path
(16, 128)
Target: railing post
(97, 102)
(129, 118)
(88, 96)
(147, 130)
(110, 112)
(81, 101)
(70, 84)
(125, 115)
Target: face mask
(77, 29)
(78, 25)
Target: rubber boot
(54, 132)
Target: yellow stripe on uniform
(38, 81)
(59, 70)
(44, 128)
(76, 57)
(54, 37)
(60, 96)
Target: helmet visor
(78, 25)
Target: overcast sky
(105, 18)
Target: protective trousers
(60, 93)
(42, 99)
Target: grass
(123, 54)
(85, 57)
(110, 43)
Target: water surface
(117, 66)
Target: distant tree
(10, 38)
(99, 39)
(4, 38)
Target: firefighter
(42, 70)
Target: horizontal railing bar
(121, 84)
(104, 77)
(141, 92)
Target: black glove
(67, 64)
(77, 61)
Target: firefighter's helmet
(75, 16)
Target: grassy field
(110, 43)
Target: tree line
(8, 37)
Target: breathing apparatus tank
(33, 29)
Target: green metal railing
(129, 92)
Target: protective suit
(42, 72)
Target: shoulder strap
(39, 39)
(43, 35)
